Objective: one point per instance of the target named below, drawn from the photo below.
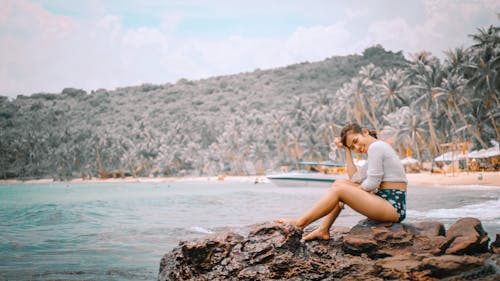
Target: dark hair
(353, 128)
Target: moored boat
(304, 178)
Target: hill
(237, 124)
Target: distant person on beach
(376, 190)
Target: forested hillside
(251, 122)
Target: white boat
(306, 178)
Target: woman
(377, 190)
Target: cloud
(444, 25)
(43, 51)
(145, 36)
(448, 23)
(394, 34)
(318, 42)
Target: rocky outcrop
(368, 251)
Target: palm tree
(280, 125)
(393, 86)
(486, 37)
(296, 143)
(425, 75)
(370, 74)
(345, 105)
(456, 60)
(361, 97)
(405, 128)
(485, 81)
(452, 89)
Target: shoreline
(260, 179)
(424, 179)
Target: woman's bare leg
(323, 231)
(349, 193)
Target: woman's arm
(351, 168)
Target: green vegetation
(250, 122)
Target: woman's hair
(353, 128)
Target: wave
(487, 210)
(200, 229)
(472, 187)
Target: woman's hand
(338, 143)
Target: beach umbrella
(479, 154)
(492, 152)
(408, 161)
(473, 154)
(448, 156)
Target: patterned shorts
(397, 198)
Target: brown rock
(383, 240)
(368, 251)
(495, 246)
(450, 265)
(467, 236)
(428, 228)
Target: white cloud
(145, 36)
(111, 24)
(394, 34)
(448, 23)
(41, 51)
(445, 25)
(318, 42)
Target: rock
(379, 240)
(467, 236)
(495, 246)
(449, 265)
(368, 251)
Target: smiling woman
(377, 191)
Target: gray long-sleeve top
(383, 165)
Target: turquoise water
(117, 231)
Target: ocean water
(120, 231)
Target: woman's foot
(289, 221)
(318, 234)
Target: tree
(393, 86)
(452, 90)
(425, 75)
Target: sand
(456, 179)
(424, 179)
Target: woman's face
(358, 142)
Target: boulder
(467, 236)
(495, 246)
(379, 240)
(368, 251)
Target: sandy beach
(425, 179)
(456, 179)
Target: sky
(48, 45)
